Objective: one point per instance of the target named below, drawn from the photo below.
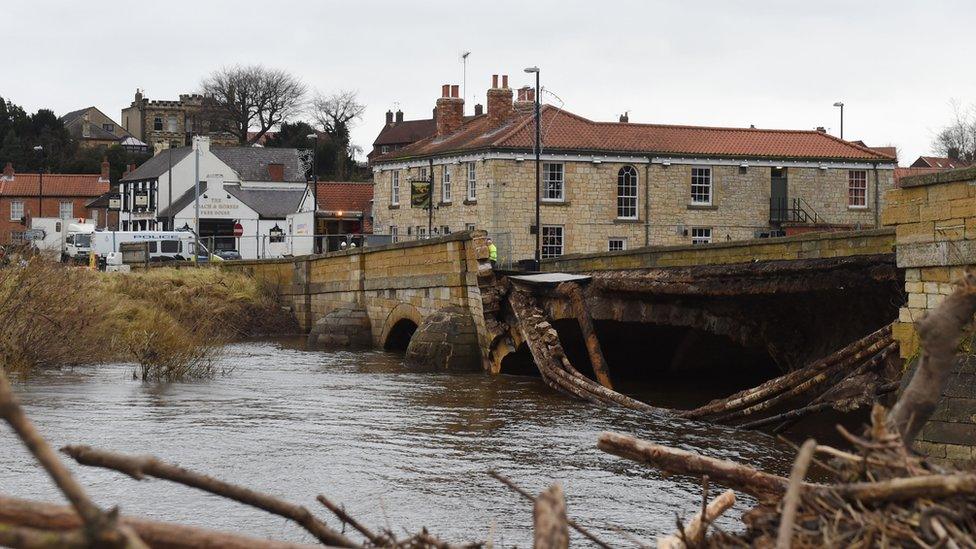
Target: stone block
(934, 300)
(958, 452)
(915, 232)
(917, 301)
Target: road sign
(34, 234)
(238, 230)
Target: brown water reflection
(396, 446)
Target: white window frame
(557, 241)
(384, 149)
(446, 185)
(621, 198)
(423, 174)
(857, 180)
(421, 232)
(616, 240)
(472, 180)
(394, 234)
(553, 182)
(16, 210)
(172, 123)
(701, 235)
(395, 188)
(61, 208)
(469, 226)
(706, 172)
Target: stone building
(398, 133)
(617, 185)
(93, 128)
(166, 124)
(29, 195)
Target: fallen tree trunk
(693, 531)
(775, 386)
(159, 535)
(574, 293)
(907, 488)
(682, 462)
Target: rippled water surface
(399, 448)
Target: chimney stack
(389, 117)
(526, 99)
(8, 171)
(624, 118)
(399, 116)
(499, 101)
(276, 172)
(129, 169)
(449, 111)
(106, 174)
(821, 129)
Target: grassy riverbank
(172, 323)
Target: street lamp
(538, 189)
(314, 138)
(841, 105)
(40, 181)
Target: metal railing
(795, 210)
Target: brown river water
(399, 448)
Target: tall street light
(538, 189)
(841, 105)
(314, 138)
(40, 181)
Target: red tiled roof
(347, 196)
(564, 131)
(939, 162)
(906, 172)
(55, 184)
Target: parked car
(228, 255)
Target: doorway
(778, 196)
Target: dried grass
(173, 323)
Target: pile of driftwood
(845, 380)
(880, 493)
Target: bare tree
(958, 139)
(337, 113)
(242, 98)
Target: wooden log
(157, 534)
(694, 528)
(939, 332)
(138, 467)
(574, 293)
(777, 385)
(908, 488)
(24, 537)
(682, 462)
(550, 530)
(808, 384)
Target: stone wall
(505, 205)
(804, 246)
(934, 217)
(405, 281)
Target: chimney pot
(446, 90)
(389, 117)
(821, 129)
(494, 81)
(624, 118)
(499, 101)
(8, 170)
(505, 81)
(399, 116)
(479, 109)
(448, 111)
(455, 91)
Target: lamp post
(841, 105)
(314, 138)
(40, 181)
(196, 199)
(464, 75)
(538, 189)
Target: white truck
(69, 239)
(163, 245)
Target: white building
(251, 189)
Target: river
(396, 447)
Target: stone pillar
(343, 327)
(446, 340)
(934, 216)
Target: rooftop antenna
(464, 74)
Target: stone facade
(935, 222)
(504, 205)
(166, 124)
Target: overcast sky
(776, 64)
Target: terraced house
(617, 185)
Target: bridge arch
(400, 326)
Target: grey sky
(775, 64)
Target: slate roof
(55, 184)
(566, 132)
(268, 203)
(72, 121)
(407, 131)
(251, 163)
(158, 164)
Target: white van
(163, 245)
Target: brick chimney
(499, 100)
(389, 117)
(526, 99)
(8, 171)
(399, 116)
(449, 109)
(129, 169)
(276, 172)
(106, 173)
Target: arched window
(627, 193)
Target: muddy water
(397, 447)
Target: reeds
(172, 323)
